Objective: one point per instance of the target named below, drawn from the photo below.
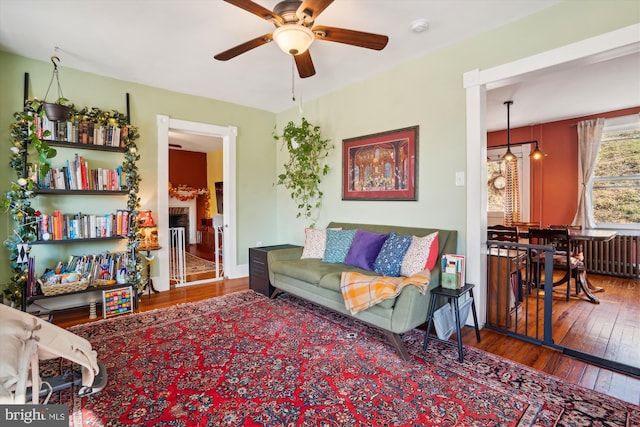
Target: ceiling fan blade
(312, 8)
(244, 47)
(304, 64)
(257, 10)
(352, 37)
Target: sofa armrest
(284, 254)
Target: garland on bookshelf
(29, 129)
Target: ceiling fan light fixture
(293, 39)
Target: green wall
(429, 92)
(255, 164)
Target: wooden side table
(451, 294)
(149, 260)
(259, 268)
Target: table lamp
(148, 230)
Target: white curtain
(589, 135)
(511, 194)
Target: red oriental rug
(245, 360)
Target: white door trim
(476, 82)
(228, 135)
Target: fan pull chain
(293, 79)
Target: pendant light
(537, 153)
(508, 156)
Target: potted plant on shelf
(305, 168)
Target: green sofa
(319, 282)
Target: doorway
(195, 164)
(228, 134)
(615, 44)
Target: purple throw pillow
(364, 249)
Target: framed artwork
(381, 166)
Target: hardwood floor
(205, 253)
(541, 358)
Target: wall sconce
(149, 231)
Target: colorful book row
(58, 226)
(77, 175)
(82, 132)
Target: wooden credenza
(259, 268)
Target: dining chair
(563, 259)
(576, 247)
(503, 233)
(524, 226)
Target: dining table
(585, 234)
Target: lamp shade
(293, 39)
(537, 153)
(508, 156)
(145, 219)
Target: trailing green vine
(306, 166)
(17, 201)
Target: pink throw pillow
(422, 254)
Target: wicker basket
(63, 288)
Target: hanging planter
(56, 112)
(60, 110)
(305, 168)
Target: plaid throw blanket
(361, 291)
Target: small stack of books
(452, 271)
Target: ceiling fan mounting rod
(287, 10)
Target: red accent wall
(188, 168)
(554, 180)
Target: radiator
(619, 256)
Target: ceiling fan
(294, 32)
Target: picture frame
(381, 166)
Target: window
(615, 185)
(496, 184)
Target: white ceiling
(582, 90)
(170, 44)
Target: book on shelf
(87, 132)
(452, 271)
(58, 226)
(77, 175)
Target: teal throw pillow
(389, 259)
(338, 244)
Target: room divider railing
(520, 298)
